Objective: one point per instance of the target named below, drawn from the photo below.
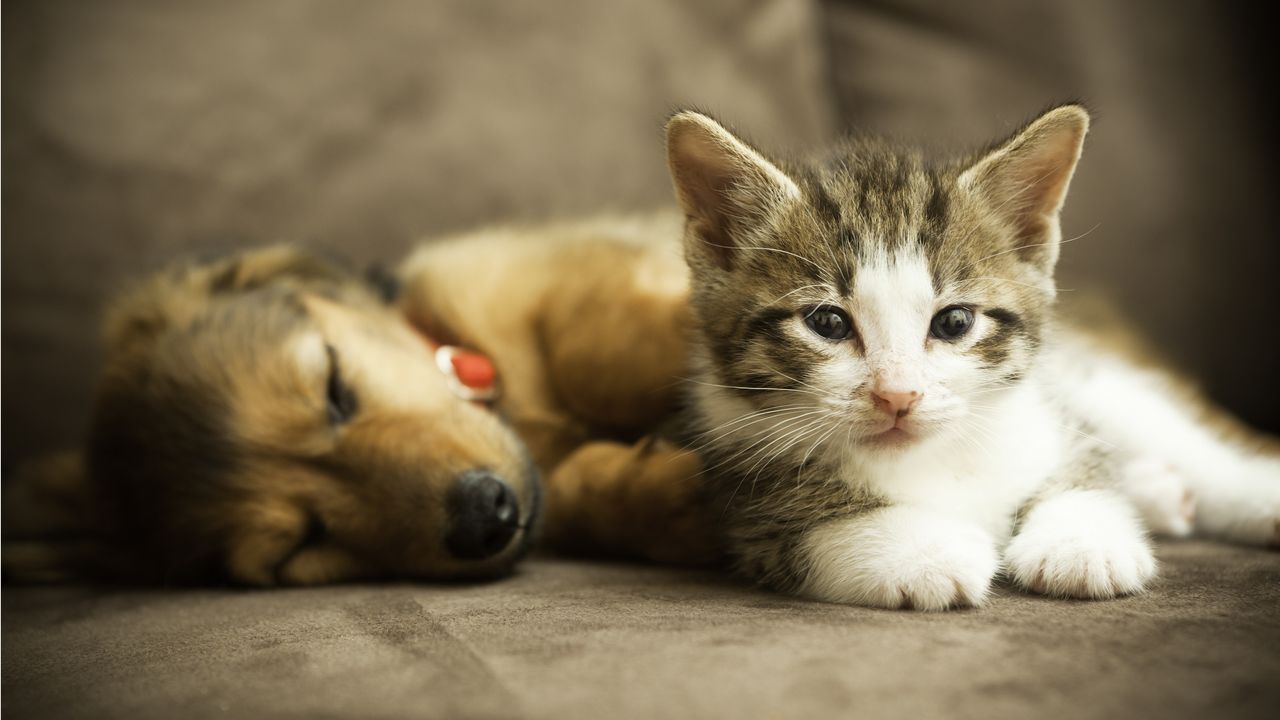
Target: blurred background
(138, 131)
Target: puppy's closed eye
(340, 399)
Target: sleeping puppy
(274, 419)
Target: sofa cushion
(139, 131)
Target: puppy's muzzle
(485, 515)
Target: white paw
(1161, 495)
(1083, 544)
(900, 557)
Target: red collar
(471, 375)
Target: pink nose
(895, 402)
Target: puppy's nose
(485, 515)
(895, 402)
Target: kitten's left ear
(1025, 180)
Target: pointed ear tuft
(722, 183)
(1025, 180)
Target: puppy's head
(269, 419)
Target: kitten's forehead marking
(893, 301)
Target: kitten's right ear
(1025, 180)
(723, 184)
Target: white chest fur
(980, 473)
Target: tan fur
(585, 324)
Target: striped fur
(825, 493)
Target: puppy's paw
(900, 558)
(1161, 494)
(318, 565)
(639, 500)
(1082, 544)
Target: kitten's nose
(895, 402)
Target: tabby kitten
(890, 414)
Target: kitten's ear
(1025, 180)
(723, 184)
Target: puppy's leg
(614, 338)
(636, 500)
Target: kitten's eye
(951, 323)
(829, 321)
(340, 398)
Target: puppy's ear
(1024, 180)
(172, 298)
(724, 186)
(256, 268)
(384, 283)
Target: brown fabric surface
(582, 640)
(137, 131)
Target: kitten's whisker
(758, 389)
(1033, 245)
(749, 420)
(992, 387)
(762, 454)
(778, 299)
(769, 249)
(757, 413)
(759, 451)
(982, 432)
(761, 437)
(820, 419)
(1087, 436)
(815, 388)
(816, 443)
(791, 441)
(997, 279)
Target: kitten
(890, 413)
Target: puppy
(272, 419)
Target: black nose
(485, 515)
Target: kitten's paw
(1082, 544)
(1161, 494)
(900, 558)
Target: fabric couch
(138, 131)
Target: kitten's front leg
(899, 557)
(1082, 544)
